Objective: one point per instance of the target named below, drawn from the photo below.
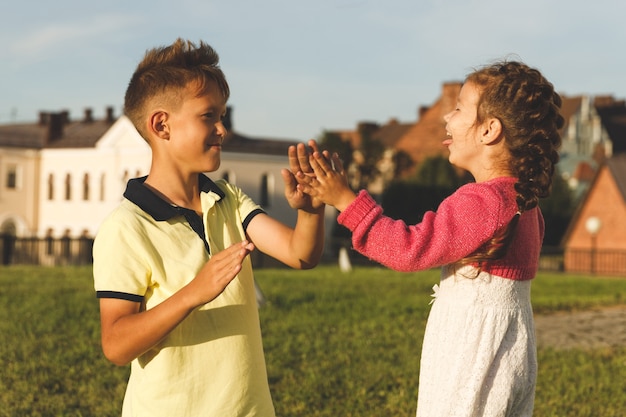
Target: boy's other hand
(219, 271)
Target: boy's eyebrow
(215, 109)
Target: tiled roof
(236, 142)
(81, 134)
(390, 133)
(87, 132)
(68, 134)
(30, 136)
(424, 138)
(420, 139)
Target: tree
(402, 162)
(367, 157)
(333, 142)
(437, 171)
(361, 163)
(557, 209)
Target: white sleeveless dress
(479, 351)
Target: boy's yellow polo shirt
(212, 364)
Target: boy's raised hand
(299, 168)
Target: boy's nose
(221, 130)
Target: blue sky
(297, 68)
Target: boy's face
(196, 130)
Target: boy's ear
(491, 131)
(158, 124)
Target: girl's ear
(158, 126)
(491, 131)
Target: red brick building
(596, 239)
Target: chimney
(55, 125)
(109, 115)
(421, 111)
(88, 115)
(367, 128)
(228, 119)
(44, 117)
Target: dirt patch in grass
(591, 329)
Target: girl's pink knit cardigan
(462, 223)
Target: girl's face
(463, 139)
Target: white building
(60, 178)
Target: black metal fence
(69, 251)
(596, 261)
(77, 251)
(45, 251)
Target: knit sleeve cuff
(357, 210)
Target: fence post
(8, 248)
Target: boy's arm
(299, 247)
(128, 332)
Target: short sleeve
(244, 205)
(119, 256)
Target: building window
(86, 187)
(267, 188)
(51, 187)
(68, 187)
(12, 178)
(102, 183)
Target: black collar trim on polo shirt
(159, 209)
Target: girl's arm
(462, 223)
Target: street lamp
(593, 225)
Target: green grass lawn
(336, 344)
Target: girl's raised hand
(329, 182)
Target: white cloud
(47, 41)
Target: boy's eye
(214, 116)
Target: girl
(479, 354)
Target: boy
(171, 269)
